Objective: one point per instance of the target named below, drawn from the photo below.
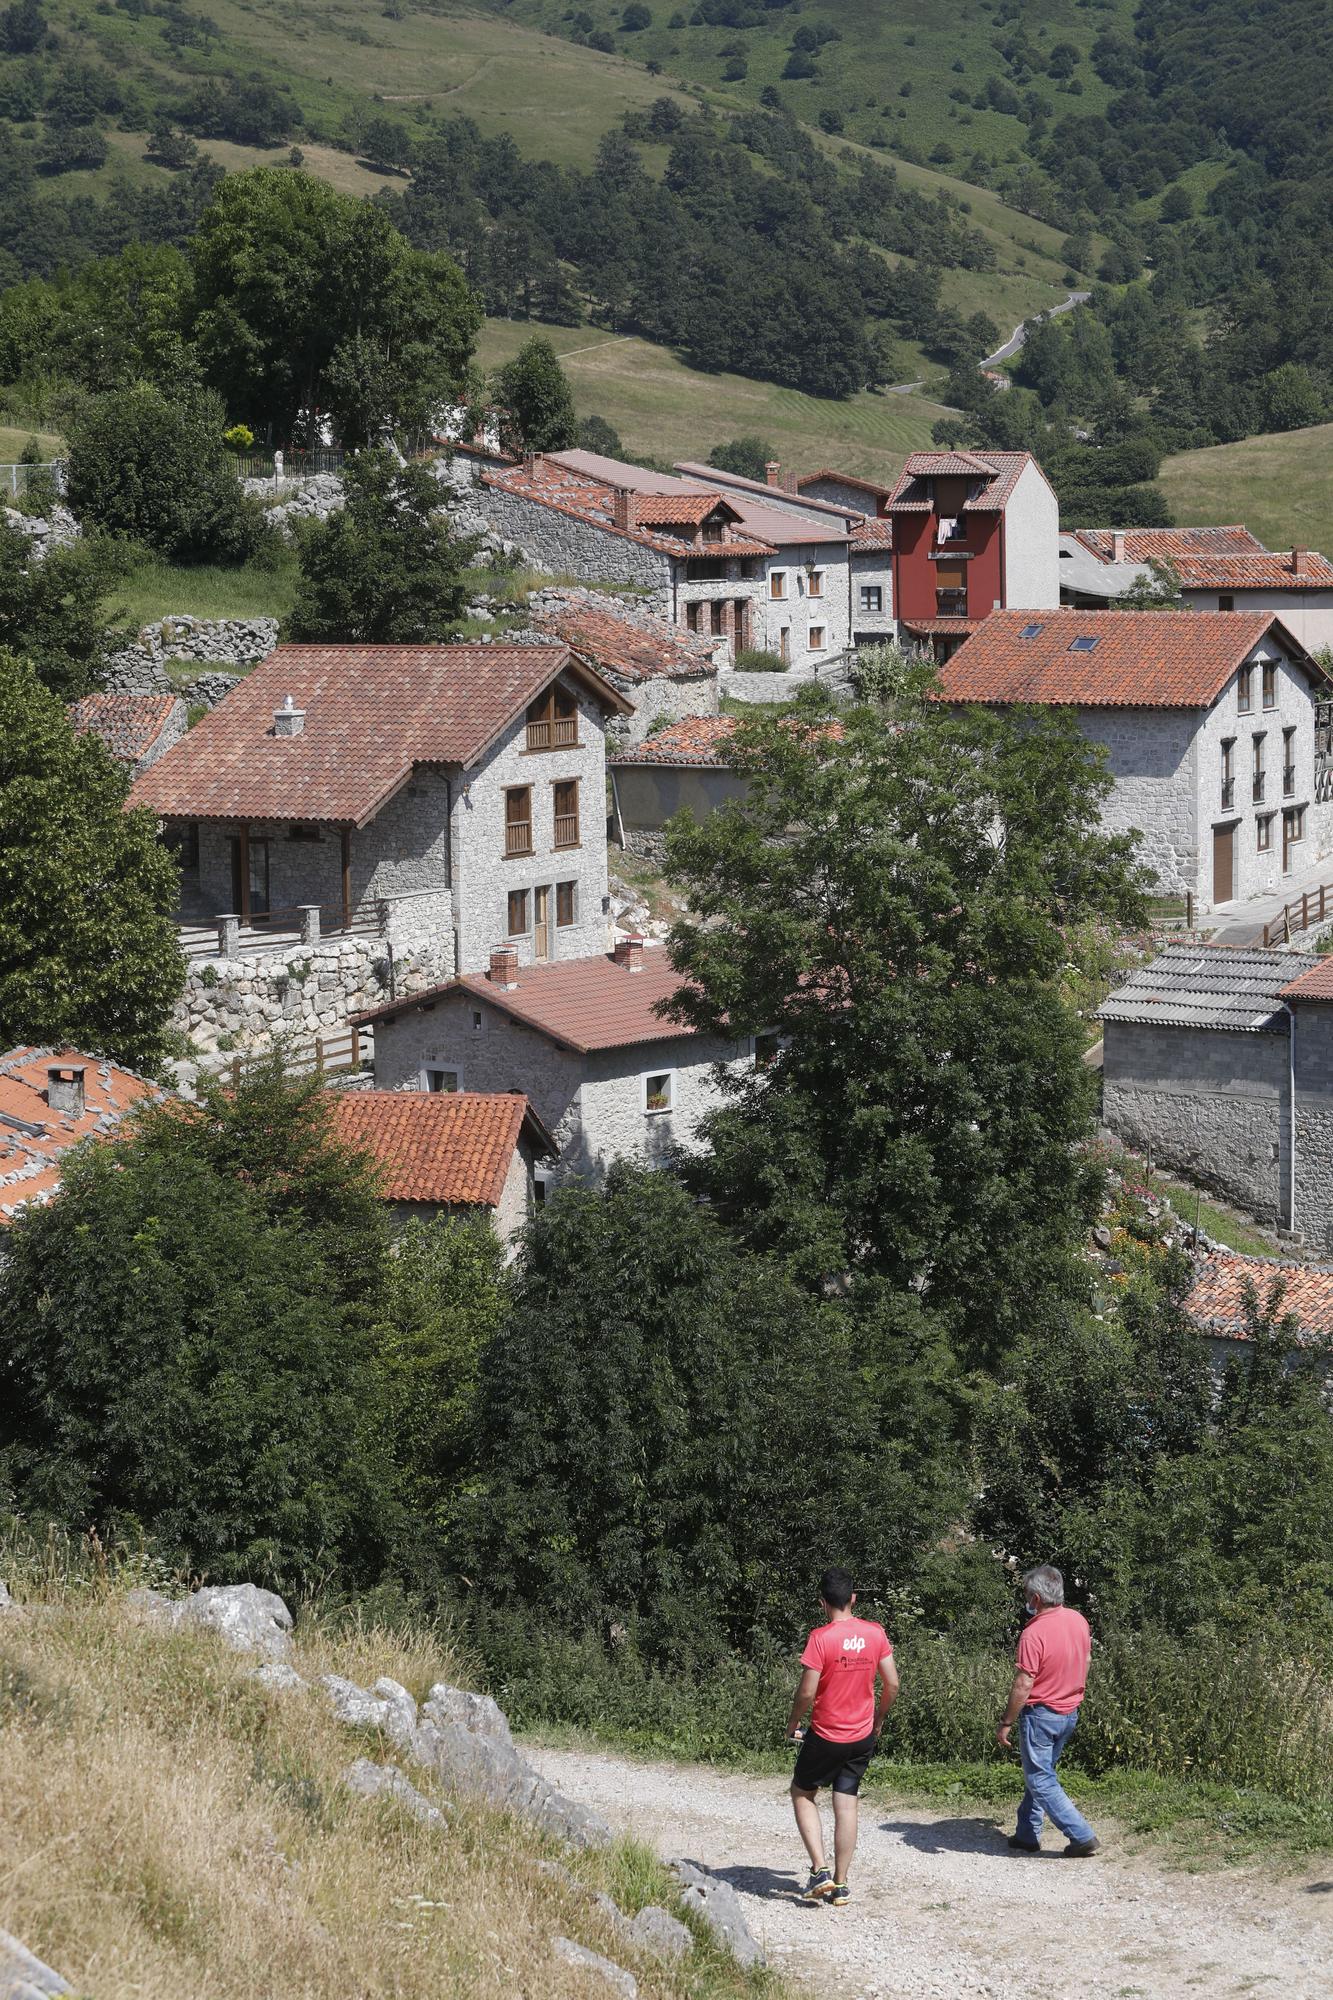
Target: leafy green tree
(748, 457)
(386, 566)
(596, 434)
(386, 144)
(152, 468)
(890, 899)
(308, 301)
(1290, 398)
(51, 610)
(88, 952)
(187, 1333)
(1159, 590)
(535, 399)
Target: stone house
(1220, 569)
(973, 532)
(583, 1041)
(663, 672)
(136, 728)
(459, 1153)
(684, 765)
(1217, 1302)
(468, 781)
(1221, 1061)
(50, 1101)
(717, 564)
(1209, 725)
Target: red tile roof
(33, 1137)
(1140, 544)
(1000, 469)
(1216, 1299)
(371, 714)
(1142, 659)
(1314, 984)
(669, 508)
(580, 1003)
(436, 1146)
(759, 488)
(875, 532)
(128, 724)
(696, 739)
(624, 647)
(947, 627)
(1272, 570)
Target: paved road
(1020, 332)
(943, 1909)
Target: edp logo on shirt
(855, 1645)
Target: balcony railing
(1228, 794)
(518, 836)
(566, 829)
(1257, 787)
(951, 603)
(560, 734)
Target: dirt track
(943, 1908)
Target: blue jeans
(1042, 1735)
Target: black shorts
(842, 1765)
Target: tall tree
(152, 468)
(52, 608)
(88, 951)
(536, 402)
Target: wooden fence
(1300, 914)
(340, 1051)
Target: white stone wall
(874, 567)
(1258, 872)
(1032, 544)
(484, 876)
(567, 546)
(797, 612)
(657, 698)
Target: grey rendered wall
(484, 875)
(1032, 544)
(1210, 1103)
(649, 794)
(1313, 1063)
(567, 546)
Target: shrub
(151, 468)
(755, 660)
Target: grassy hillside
(173, 1829)
(668, 411)
(1278, 484)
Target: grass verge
(1277, 484)
(155, 589)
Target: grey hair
(1045, 1584)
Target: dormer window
(714, 528)
(553, 720)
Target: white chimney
(1118, 546)
(64, 1089)
(289, 720)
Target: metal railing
(17, 478)
(295, 464)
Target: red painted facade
(927, 573)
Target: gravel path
(942, 1907)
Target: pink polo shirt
(1055, 1649)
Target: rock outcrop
(247, 1619)
(23, 1977)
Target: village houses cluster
(406, 855)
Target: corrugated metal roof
(1209, 986)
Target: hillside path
(943, 1908)
(1020, 333)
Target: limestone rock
(6, 1601)
(246, 1618)
(23, 1977)
(655, 1930)
(385, 1781)
(466, 1739)
(400, 1722)
(720, 1907)
(476, 1713)
(352, 1704)
(616, 1977)
(277, 1674)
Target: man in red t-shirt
(841, 1661)
(1050, 1674)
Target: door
(249, 877)
(541, 923)
(1224, 863)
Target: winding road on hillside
(1020, 333)
(942, 1908)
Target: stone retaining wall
(238, 643)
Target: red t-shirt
(846, 1654)
(1055, 1648)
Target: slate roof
(371, 714)
(33, 1137)
(579, 1003)
(1209, 986)
(1001, 470)
(1314, 984)
(454, 1148)
(1142, 659)
(626, 648)
(700, 740)
(128, 724)
(1216, 1299)
(1169, 543)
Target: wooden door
(1224, 863)
(541, 923)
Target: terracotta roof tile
(371, 714)
(875, 532)
(696, 739)
(1315, 983)
(625, 647)
(1141, 659)
(558, 482)
(1216, 1299)
(455, 1148)
(1271, 571)
(1001, 470)
(128, 724)
(581, 1003)
(947, 627)
(672, 507)
(33, 1137)
(1140, 544)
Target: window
(1086, 642)
(717, 618)
(784, 643)
(1225, 601)
(1244, 690)
(553, 720)
(692, 617)
(1257, 771)
(1270, 683)
(766, 1049)
(441, 1079)
(518, 913)
(565, 795)
(566, 905)
(1228, 775)
(303, 833)
(478, 1021)
(1288, 762)
(714, 528)
(518, 819)
(777, 583)
(816, 638)
(658, 1092)
(872, 597)
(951, 590)
(183, 840)
(705, 569)
(1031, 631)
(814, 584)
(1263, 832)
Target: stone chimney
(1299, 561)
(623, 511)
(64, 1089)
(791, 484)
(773, 472)
(504, 967)
(1118, 546)
(629, 953)
(289, 720)
(529, 464)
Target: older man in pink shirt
(1050, 1674)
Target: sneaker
(819, 1887)
(1024, 1846)
(839, 1896)
(1078, 1849)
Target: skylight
(1084, 643)
(1030, 631)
